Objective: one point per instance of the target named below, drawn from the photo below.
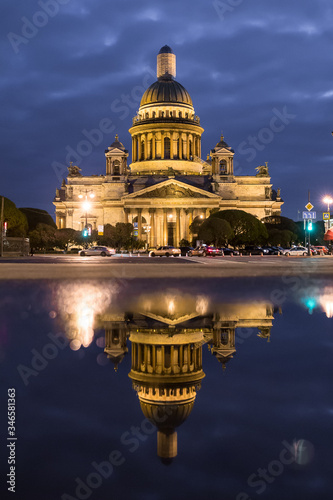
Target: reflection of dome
(167, 416)
(166, 90)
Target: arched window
(116, 167)
(180, 114)
(167, 148)
(223, 167)
(154, 114)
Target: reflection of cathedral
(167, 334)
(167, 185)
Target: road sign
(309, 215)
(309, 206)
(326, 216)
(100, 230)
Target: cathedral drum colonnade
(167, 184)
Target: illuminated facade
(167, 184)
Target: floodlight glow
(86, 206)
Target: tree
(247, 228)
(43, 237)
(36, 216)
(283, 238)
(194, 227)
(280, 223)
(16, 220)
(63, 237)
(184, 243)
(215, 231)
(118, 236)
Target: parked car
(185, 250)
(166, 251)
(272, 250)
(204, 251)
(296, 251)
(229, 251)
(319, 249)
(103, 251)
(254, 250)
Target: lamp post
(147, 231)
(86, 205)
(329, 201)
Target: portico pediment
(171, 189)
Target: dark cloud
(241, 61)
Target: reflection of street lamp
(86, 205)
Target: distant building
(167, 185)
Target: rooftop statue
(74, 171)
(262, 170)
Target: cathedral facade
(167, 185)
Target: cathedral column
(146, 146)
(126, 210)
(162, 145)
(153, 154)
(165, 226)
(199, 148)
(152, 227)
(172, 152)
(187, 146)
(139, 223)
(177, 226)
(180, 146)
(133, 148)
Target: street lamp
(329, 201)
(86, 205)
(147, 231)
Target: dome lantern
(166, 64)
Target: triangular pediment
(171, 189)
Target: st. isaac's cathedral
(167, 184)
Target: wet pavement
(173, 388)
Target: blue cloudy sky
(259, 70)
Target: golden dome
(166, 90)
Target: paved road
(75, 267)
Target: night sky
(259, 71)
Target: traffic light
(85, 232)
(310, 226)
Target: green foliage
(184, 243)
(215, 231)
(194, 227)
(247, 229)
(118, 236)
(43, 237)
(36, 216)
(283, 238)
(280, 223)
(64, 237)
(17, 221)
